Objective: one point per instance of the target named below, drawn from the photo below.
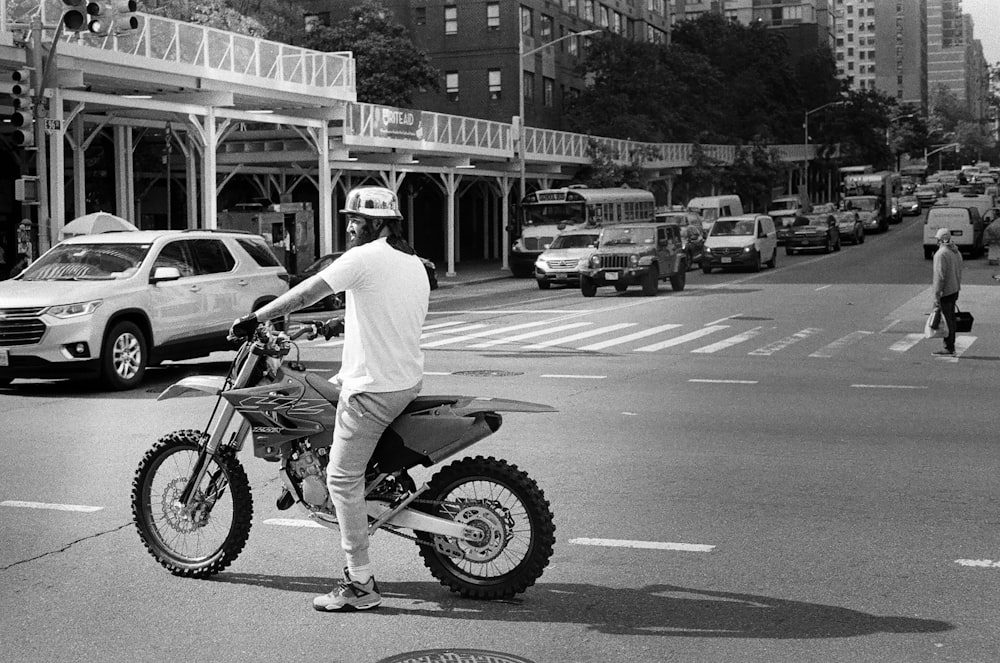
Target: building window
(573, 46)
(526, 22)
(451, 85)
(494, 83)
(548, 92)
(617, 24)
(451, 20)
(529, 87)
(545, 29)
(420, 16)
(605, 17)
(588, 10)
(492, 15)
(573, 7)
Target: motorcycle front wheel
(510, 509)
(207, 537)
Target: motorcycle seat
(331, 392)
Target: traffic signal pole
(41, 145)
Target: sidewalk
(471, 271)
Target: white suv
(110, 305)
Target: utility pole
(37, 64)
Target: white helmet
(373, 202)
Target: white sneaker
(349, 596)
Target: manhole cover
(488, 374)
(455, 656)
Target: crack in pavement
(66, 547)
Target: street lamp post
(805, 142)
(521, 54)
(888, 127)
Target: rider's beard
(365, 232)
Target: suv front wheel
(124, 356)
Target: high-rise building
(901, 51)
(804, 24)
(954, 58)
(475, 45)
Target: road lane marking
(906, 342)
(581, 335)
(54, 507)
(729, 342)
(982, 563)
(707, 381)
(292, 522)
(574, 377)
(650, 545)
(489, 332)
(725, 319)
(822, 287)
(962, 344)
(677, 340)
(527, 335)
(887, 386)
(771, 348)
(438, 325)
(828, 351)
(629, 337)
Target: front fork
(216, 433)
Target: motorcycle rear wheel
(207, 540)
(510, 507)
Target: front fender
(195, 385)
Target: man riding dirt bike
(484, 527)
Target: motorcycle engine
(308, 469)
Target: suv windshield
(86, 262)
(618, 236)
(573, 241)
(729, 227)
(864, 204)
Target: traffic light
(23, 117)
(26, 190)
(100, 16)
(79, 15)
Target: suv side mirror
(165, 274)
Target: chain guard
(470, 513)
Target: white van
(748, 240)
(710, 208)
(964, 223)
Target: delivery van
(964, 223)
(710, 208)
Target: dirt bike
(483, 527)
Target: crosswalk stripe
(577, 337)
(829, 350)
(962, 344)
(443, 324)
(629, 337)
(678, 340)
(467, 327)
(533, 334)
(488, 332)
(771, 348)
(906, 342)
(729, 342)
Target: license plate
(611, 276)
(727, 260)
(4, 358)
(956, 233)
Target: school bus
(547, 212)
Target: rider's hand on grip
(332, 327)
(243, 327)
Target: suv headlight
(633, 260)
(74, 310)
(541, 264)
(748, 248)
(595, 261)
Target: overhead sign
(399, 123)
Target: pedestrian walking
(991, 236)
(946, 283)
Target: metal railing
(176, 47)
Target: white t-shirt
(387, 293)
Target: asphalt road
(763, 467)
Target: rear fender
(466, 406)
(195, 385)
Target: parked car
(749, 240)
(869, 209)
(636, 254)
(909, 205)
(817, 231)
(109, 306)
(336, 301)
(561, 262)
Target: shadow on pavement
(666, 610)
